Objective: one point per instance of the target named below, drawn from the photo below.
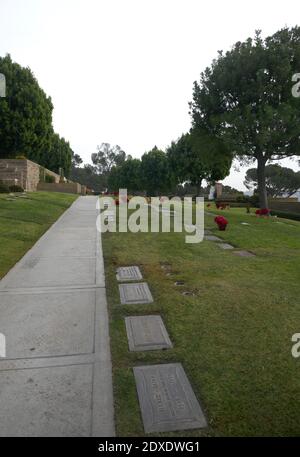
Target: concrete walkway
(56, 377)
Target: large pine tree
(246, 99)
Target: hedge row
(286, 215)
(4, 189)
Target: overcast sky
(122, 71)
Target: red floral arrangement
(221, 222)
(262, 212)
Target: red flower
(221, 222)
(262, 212)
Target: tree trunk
(261, 182)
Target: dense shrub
(49, 179)
(15, 188)
(253, 200)
(3, 188)
(286, 215)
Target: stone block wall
(33, 176)
(68, 188)
(24, 173)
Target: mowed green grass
(24, 220)
(233, 337)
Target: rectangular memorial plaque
(212, 238)
(146, 333)
(244, 253)
(129, 274)
(225, 246)
(132, 294)
(166, 398)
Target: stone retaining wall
(68, 188)
(24, 173)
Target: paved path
(56, 377)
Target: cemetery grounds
(230, 323)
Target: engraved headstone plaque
(132, 294)
(146, 333)
(225, 246)
(129, 274)
(244, 253)
(166, 398)
(212, 238)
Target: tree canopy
(126, 176)
(59, 155)
(157, 176)
(88, 176)
(26, 120)
(245, 98)
(107, 156)
(280, 181)
(198, 155)
(25, 114)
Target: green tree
(59, 155)
(105, 159)
(156, 173)
(76, 160)
(107, 156)
(126, 176)
(228, 190)
(279, 180)
(88, 176)
(245, 99)
(197, 156)
(25, 114)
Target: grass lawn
(233, 337)
(24, 220)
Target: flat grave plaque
(244, 253)
(166, 398)
(225, 246)
(129, 274)
(132, 294)
(212, 238)
(147, 333)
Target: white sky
(122, 71)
